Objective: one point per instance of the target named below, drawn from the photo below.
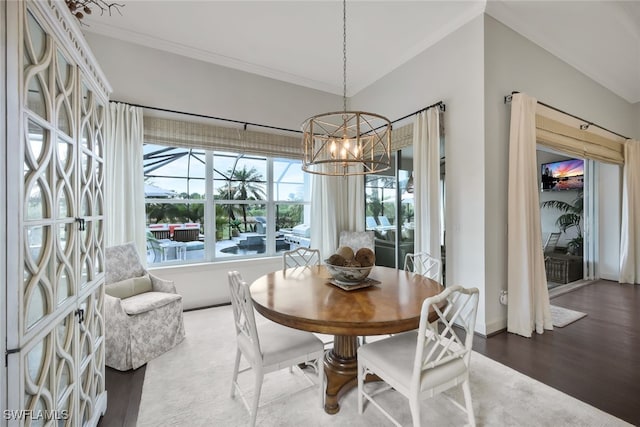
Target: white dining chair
(425, 264)
(300, 257)
(268, 346)
(305, 257)
(421, 364)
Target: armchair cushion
(129, 287)
(147, 301)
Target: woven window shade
(561, 132)
(402, 137)
(178, 133)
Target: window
(216, 205)
(389, 210)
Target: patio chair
(421, 364)
(371, 223)
(186, 234)
(161, 234)
(551, 243)
(155, 253)
(384, 221)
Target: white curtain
(337, 204)
(124, 187)
(426, 178)
(528, 307)
(630, 232)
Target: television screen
(563, 175)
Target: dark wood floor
(124, 390)
(596, 359)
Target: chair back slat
(440, 342)
(244, 317)
(424, 264)
(551, 243)
(384, 221)
(186, 234)
(161, 234)
(300, 257)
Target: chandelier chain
(344, 55)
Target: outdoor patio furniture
(186, 234)
(173, 250)
(161, 234)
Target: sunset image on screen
(564, 175)
(567, 168)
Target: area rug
(561, 316)
(556, 291)
(190, 385)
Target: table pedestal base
(341, 371)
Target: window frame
(211, 204)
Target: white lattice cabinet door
(56, 108)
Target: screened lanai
(208, 205)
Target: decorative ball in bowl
(348, 275)
(348, 267)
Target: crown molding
(138, 38)
(206, 56)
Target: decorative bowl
(349, 275)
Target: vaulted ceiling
(301, 41)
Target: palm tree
(159, 212)
(244, 184)
(571, 217)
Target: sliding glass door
(389, 210)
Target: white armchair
(357, 239)
(143, 313)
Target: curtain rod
(440, 104)
(508, 98)
(210, 117)
(437, 104)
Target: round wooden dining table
(303, 298)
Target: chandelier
(345, 142)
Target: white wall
(452, 71)
(150, 77)
(146, 76)
(514, 63)
(203, 285)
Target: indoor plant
(571, 217)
